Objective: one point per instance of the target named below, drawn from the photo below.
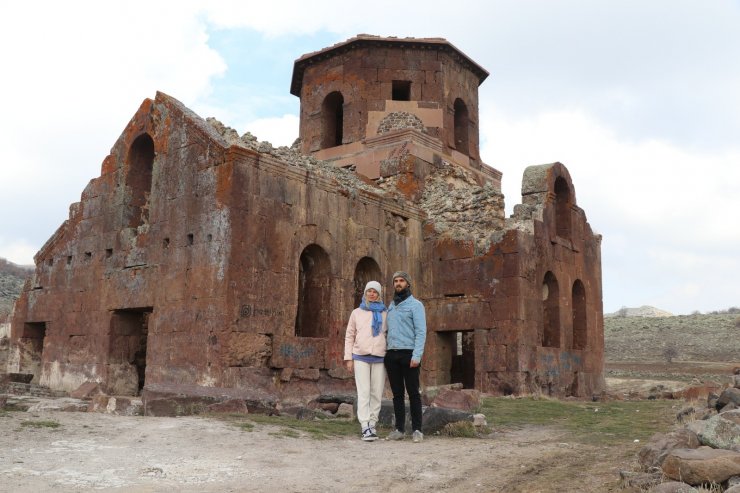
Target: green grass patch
(598, 423)
(40, 424)
(285, 433)
(246, 426)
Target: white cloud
(668, 214)
(279, 131)
(19, 252)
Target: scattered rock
(345, 411)
(435, 418)
(641, 480)
(86, 391)
(464, 400)
(728, 396)
(721, 431)
(673, 487)
(61, 404)
(702, 465)
(654, 453)
(479, 420)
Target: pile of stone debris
(346, 178)
(704, 451)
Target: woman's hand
(350, 366)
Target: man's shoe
(395, 435)
(417, 436)
(368, 435)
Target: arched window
(550, 311)
(461, 126)
(332, 111)
(140, 161)
(579, 315)
(562, 207)
(314, 293)
(367, 270)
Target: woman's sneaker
(368, 435)
(417, 436)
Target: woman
(364, 349)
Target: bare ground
(91, 451)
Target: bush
(460, 429)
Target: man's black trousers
(404, 379)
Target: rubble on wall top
(461, 208)
(345, 178)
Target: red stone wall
(499, 298)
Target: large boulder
(702, 465)
(722, 430)
(463, 400)
(727, 397)
(654, 452)
(436, 418)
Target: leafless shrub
(669, 352)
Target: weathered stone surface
(86, 391)
(702, 465)
(61, 404)
(20, 377)
(181, 400)
(721, 431)
(641, 480)
(231, 406)
(727, 397)
(435, 418)
(654, 453)
(464, 400)
(345, 411)
(124, 406)
(479, 420)
(673, 487)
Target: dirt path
(91, 451)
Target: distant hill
(12, 278)
(693, 337)
(643, 311)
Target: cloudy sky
(639, 99)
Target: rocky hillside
(643, 311)
(682, 338)
(12, 277)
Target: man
(407, 331)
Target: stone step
(17, 388)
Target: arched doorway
(314, 293)
(366, 270)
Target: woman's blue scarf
(377, 307)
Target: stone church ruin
(204, 263)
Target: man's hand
(414, 363)
(350, 366)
